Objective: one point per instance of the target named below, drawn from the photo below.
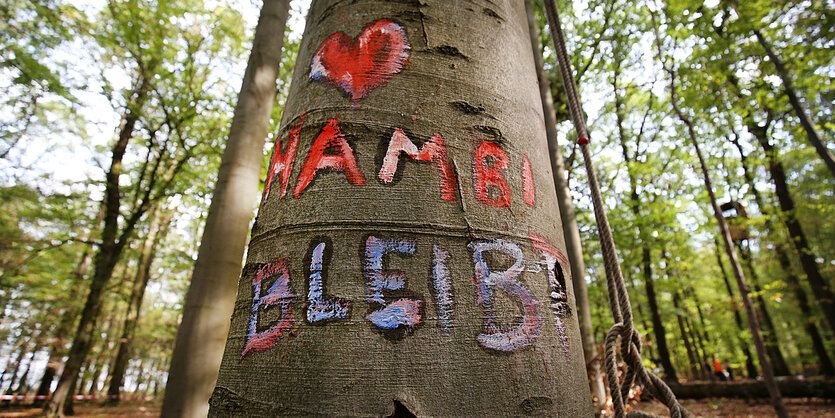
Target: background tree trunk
(106, 258)
(753, 321)
(749, 360)
(791, 279)
(573, 246)
(63, 330)
(770, 337)
(156, 233)
(210, 298)
(685, 337)
(820, 288)
(476, 331)
(799, 110)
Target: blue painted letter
(493, 337)
(319, 308)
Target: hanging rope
(630, 342)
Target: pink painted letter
(433, 150)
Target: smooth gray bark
(571, 231)
(210, 297)
(475, 343)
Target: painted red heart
(359, 65)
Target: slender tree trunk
(655, 315)
(799, 110)
(210, 297)
(409, 279)
(62, 332)
(750, 368)
(17, 363)
(22, 382)
(573, 245)
(105, 260)
(791, 279)
(820, 288)
(705, 342)
(753, 321)
(770, 337)
(699, 345)
(646, 254)
(139, 375)
(156, 232)
(632, 288)
(691, 357)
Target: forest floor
(734, 407)
(131, 408)
(714, 407)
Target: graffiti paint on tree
(556, 280)
(442, 285)
(434, 150)
(330, 151)
(487, 174)
(359, 65)
(320, 308)
(487, 280)
(528, 189)
(403, 313)
(283, 161)
(342, 158)
(395, 311)
(279, 295)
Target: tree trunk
(22, 382)
(704, 340)
(753, 321)
(826, 366)
(110, 249)
(691, 356)
(210, 297)
(770, 337)
(646, 254)
(799, 110)
(573, 245)
(750, 369)
(17, 363)
(139, 375)
(413, 285)
(820, 288)
(58, 348)
(699, 345)
(657, 324)
(156, 232)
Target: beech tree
(166, 76)
(571, 231)
(208, 303)
(408, 250)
